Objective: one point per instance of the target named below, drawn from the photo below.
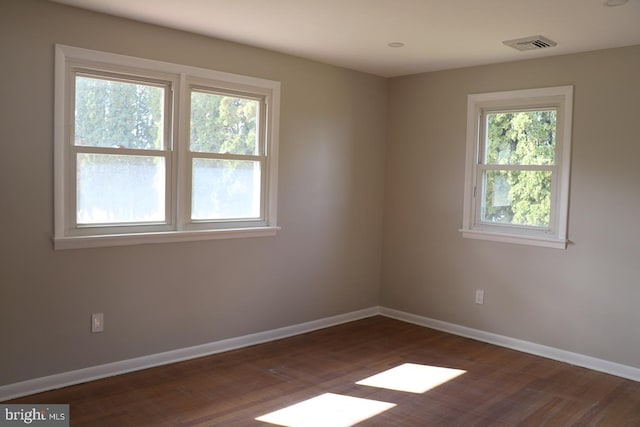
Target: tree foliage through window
(119, 114)
(519, 195)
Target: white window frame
(179, 79)
(559, 98)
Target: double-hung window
(226, 148)
(517, 172)
(148, 152)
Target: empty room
(320, 213)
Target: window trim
(177, 227)
(560, 98)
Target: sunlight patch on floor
(327, 410)
(412, 378)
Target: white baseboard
(577, 359)
(51, 382)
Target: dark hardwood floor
(501, 387)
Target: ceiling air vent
(530, 43)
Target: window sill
(95, 241)
(548, 242)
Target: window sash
(74, 150)
(260, 157)
(479, 192)
(483, 142)
(165, 156)
(261, 116)
(239, 221)
(123, 77)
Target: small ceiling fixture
(530, 43)
(614, 3)
(396, 44)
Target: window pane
(120, 189)
(521, 138)
(517, 197)
(223, 124)
(225, 189)
(117, 114)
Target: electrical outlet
(97, 322)
(479, 296)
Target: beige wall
(583, 299)
(325, 261)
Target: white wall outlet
(479, 296)
(97, 322)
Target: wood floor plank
(501, 387)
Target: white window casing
(559, 99)
(177, 81)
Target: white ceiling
(438, 34)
